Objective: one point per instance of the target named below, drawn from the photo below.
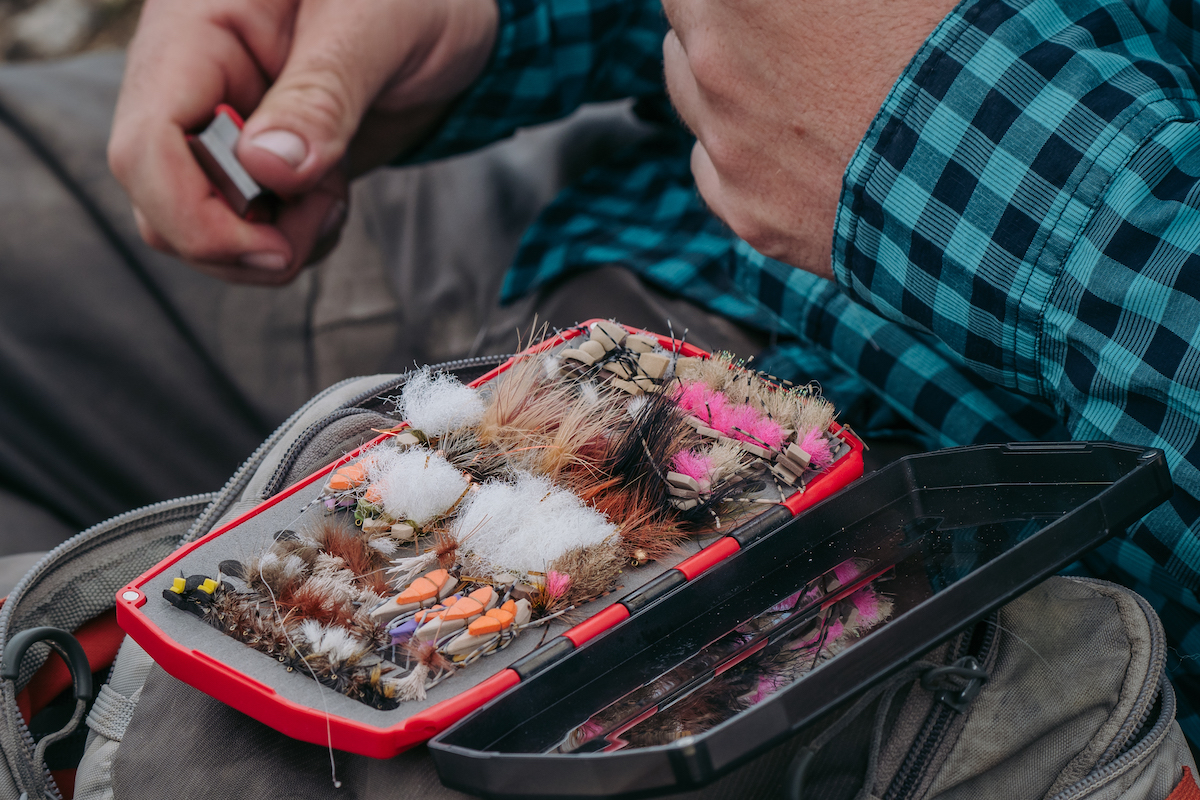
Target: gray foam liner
(254, 536)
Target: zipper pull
(957, 684)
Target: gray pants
(127, 378)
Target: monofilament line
(324, 707)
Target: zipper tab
(954, 686)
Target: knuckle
(724, 152)
(709, 66)
(322, 102)
(121, 156)
(767, 242)
(150, 236)
(755, 232)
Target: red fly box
(373, 604)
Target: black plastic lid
(983, 524)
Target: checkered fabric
(1014, 252)
(551, 57)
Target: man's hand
(335, 88)
(779, 93)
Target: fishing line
(324, 706)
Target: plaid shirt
(1016, 252)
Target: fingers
(682, 15)
(732, 208)
(312, 222)
(325, 63)
(681, 83)
(181, 78)
(341, 56)
(149, 235)
(708, 183)
(179, 212)
(701, 81)
(171, 86)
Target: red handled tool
(214, 149)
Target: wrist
(459, 52)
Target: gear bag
(1060, 694)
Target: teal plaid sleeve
(1176, 19)
(550, 57)
(1027, 197)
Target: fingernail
(285, 144)
(333, 219)
(271, 261)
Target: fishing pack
(610, 566)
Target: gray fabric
(237, 757)
(241, 758)
(94, 777)
(1066, 656)
(122, 692)
(130, 668)
(1025, 734)
(1141, 634)
(111, 713)
(1075, 673)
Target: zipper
(1144, 704)
(164, 511)
(238, 480)
(913, 768)
(445, 366)
(167, 509)
(929, 741)
(302, 441)
(237, 483)
(350, 408)
(1150, 741)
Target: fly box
(496, 529)
(721, 668)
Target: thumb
(303, 125)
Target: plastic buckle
(955, 685)
(72, 652)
